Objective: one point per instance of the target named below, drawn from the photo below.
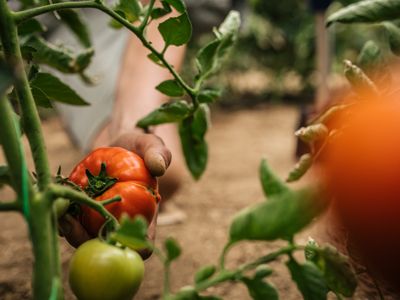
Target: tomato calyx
(97, 185)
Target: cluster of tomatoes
(101, 270)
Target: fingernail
(155, 162)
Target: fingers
(73, 231)
(150, 147)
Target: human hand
(157, 158)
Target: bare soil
(238, 141)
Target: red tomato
(361, 165)
(126, 175)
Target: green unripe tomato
(100, 271)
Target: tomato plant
(112, 171)
(102, 271)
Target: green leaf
(368, 11)
(30, 26)
(208, 95)
(301, 168)
(173, 249)
(336, 270)
(168, 113)
(159, 12)
(271, 184)
(131, 233)
(56, 90)
(179, 5)
(189, 293)
(41, 98)
(309, 280)
(171, 88)
(73, 20)
(279, 218)
(155, 59)
(204, 273)
(59, 58)
(131, 10)
(192, 131)
(176, 31)
(370, 57)
(262, 271)
(260, 289)
(393, 37)
(209, 58)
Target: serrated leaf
(57, 57)
(176, 31)
(131, 233)
(393, 37)
(279, 218)
(168, 113)
(309, 280)
(73, 20)
(260, 290)
(30, 26)
(173, 249)
(56, 90)
(301, 168)
(336, 270)
(40, 98)
(192, 132)
(204, 273)
(129, 9)
(208, 95)
(368, 11)
(179, 5)
(209, 58)
(271, 184)
(171, 88)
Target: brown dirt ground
(238, 140)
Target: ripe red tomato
(361, 165)
(125, 174)
(102, 271)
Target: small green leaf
(179, 5)
(280, 217)
(309, 280)
(171, 88)
(155, 59)
(368, 11)
(262, 271)
(168, 113)
(56, 90)
(176, 31)
(301, 168)
(40, 98)
(204, 273)
(271, 184)
(336, 270)
(159, 12)
(208, 95)
(173, 249)
(370, 56)
(192, 131)
(131, 10)
(189, 293)
(30, 26)
(56, 57)
(131, 233)
(73, 20)
(393, 37)
(310, 251)
(260, 290)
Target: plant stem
(58, 191)
(146, 17)
(111, 200)
(33, 12)
(30, 116)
